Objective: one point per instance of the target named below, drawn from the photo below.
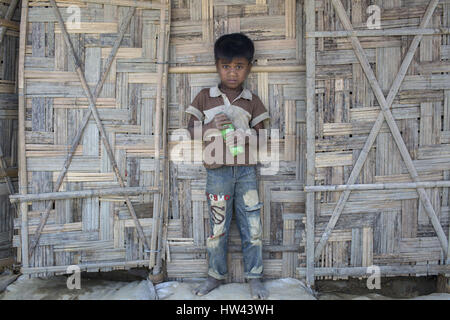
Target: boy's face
(233, 73)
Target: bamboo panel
(97, 230)
(275, 27)
(389, 227)
(9, 44)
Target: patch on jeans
(218, 207)
(254, 222)
(251, 198)
(257, 270)
(218, 197)
(217, 214)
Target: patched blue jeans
(235, 187)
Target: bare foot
(257, 289)
(208, 285)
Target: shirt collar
(215, 92)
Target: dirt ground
(132, 285)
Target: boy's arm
(195, 123)
(195, 110)
(259, 114)
(260, 138)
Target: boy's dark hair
(234, 45)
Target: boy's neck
(226, 89)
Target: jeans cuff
(215, 275)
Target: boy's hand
(220, 120)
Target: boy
(231, 180)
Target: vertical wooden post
(157, 134)
(310, 137)
(23, 183)
(164, 207)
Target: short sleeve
(196, 107)
(259, 112)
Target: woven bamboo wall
(382, 227)
(8, 128)
(100, 229)
(376, 227)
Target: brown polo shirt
(242, 107)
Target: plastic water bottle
(234, 150)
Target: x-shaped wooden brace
(9, 14)
(385, 105)
(3, 167)
(92, 110)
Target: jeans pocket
(247, 173)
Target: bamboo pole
(98, 122)
(84, 267)
(378, 33)
(384, 270)
(9, 14)
(212, 69)
(380, 186)
(157, 134)
(234, 248)
(128, 191)
(162, 228)
(136, 263)
(22, 161)
(310, 137)
(375, 129)
(128, 3)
